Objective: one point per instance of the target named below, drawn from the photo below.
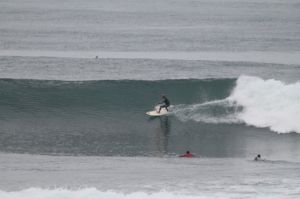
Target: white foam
(93, 193)
(268, 103)
(254, 101)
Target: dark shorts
(164, 106)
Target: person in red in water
(187, 155)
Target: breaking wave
(253, 101)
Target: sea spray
(217, 111)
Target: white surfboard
(155, 113)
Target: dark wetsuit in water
(166, 104)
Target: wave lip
(268, 103)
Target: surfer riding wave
(165, 103)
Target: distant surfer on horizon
(187, 155)
(165, 103)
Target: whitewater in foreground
(146, 178)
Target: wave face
(108, 117)
(93, 97)
(94, 117)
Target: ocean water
(77, 77)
